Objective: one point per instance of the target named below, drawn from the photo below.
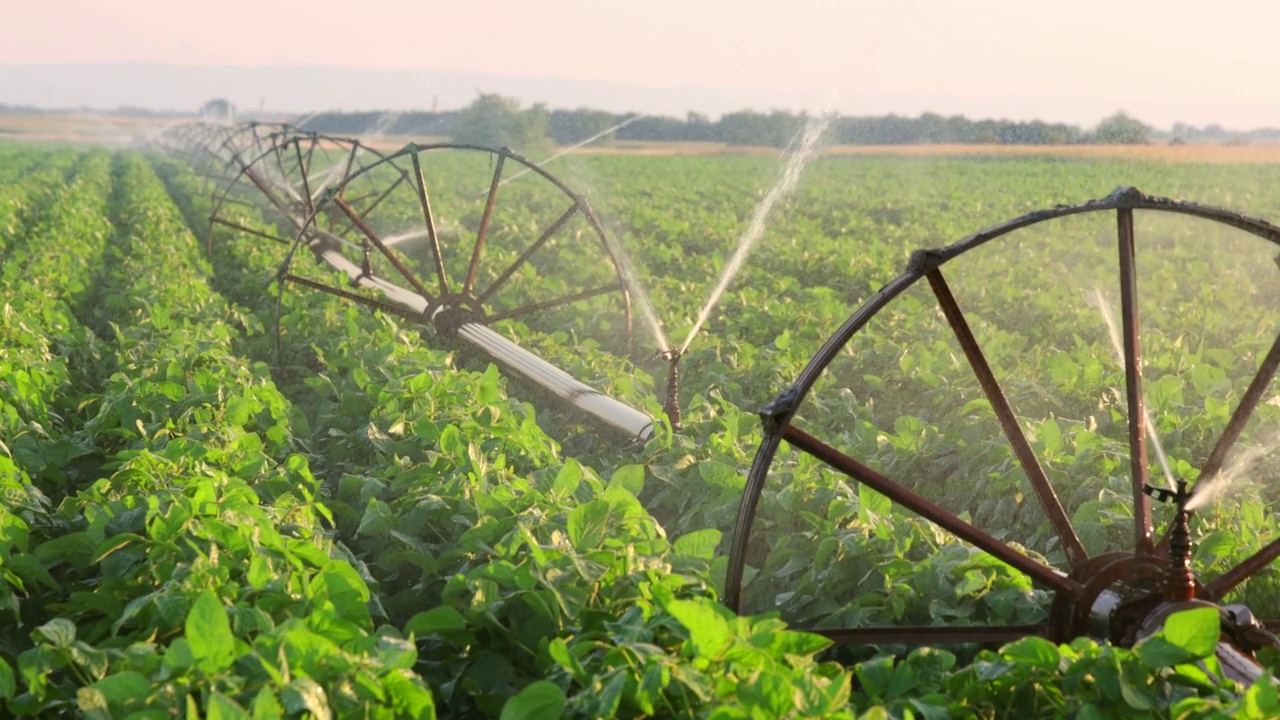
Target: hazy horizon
(992, 59)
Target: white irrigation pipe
(621, 416)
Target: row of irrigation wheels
(443, 250)
(437, 233)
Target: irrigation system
(394, 240)
(386, 234)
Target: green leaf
(1135, 693)
(238, 411)
(259, 572)
(567, 479)
(31, 570)
(124, 686)
(872, 505)
(92, 704)
(208, 632)
(1262, 699)
(378, 518)
(435, 620)
(178, 657)
(266, 707)
(1157, 652)
(1195, 630)
(1034, 651)
(721, 475)
(588, 525)
(58, 632)
(8, 683)
(410, 697)
(629, 477)
(800, 644)
(222, 707)
(92, 661)
(538, 701)
(1051, 437)
(1089, 711)
(875, 675)
(303, 694)
(110, 545)
(559, 651)
(699, 544)
(346, 590)
(707, 630)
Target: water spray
(1108, 316)
(671, 405)
(802, 147)
(1179, 583)
(574, 147)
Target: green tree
(495, 121)
(218, 110)
(1120, 129)
(571, 126)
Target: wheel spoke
(557, 302)
(1244, 411)
(251, 231)
(425, 201)
(258, 149)
(1247, 568)
(484, 224)
(617, 258)
(306, 183)
(1049, 501)
(351, 158)
(386, 307)
(377, 242)
(228, 200)
(311, 151)
(929, 510)
(1235, 426)
(277, 154)
(1133, 383)
(524, 257)
(266, 189)
(381, 196)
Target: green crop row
(508, 562)
(836, 553)
(370, 524)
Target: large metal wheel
(440, 232)
(279, 172)
(425, 234)
(1121, 584)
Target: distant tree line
(1216, 133)
(495, 120)
(126, 111)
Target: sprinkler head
(1179, 583)
(671, 406)
(671, 355)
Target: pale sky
(1069, 61)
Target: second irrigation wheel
(469, 236)
(279, 172)
(1091, 582)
